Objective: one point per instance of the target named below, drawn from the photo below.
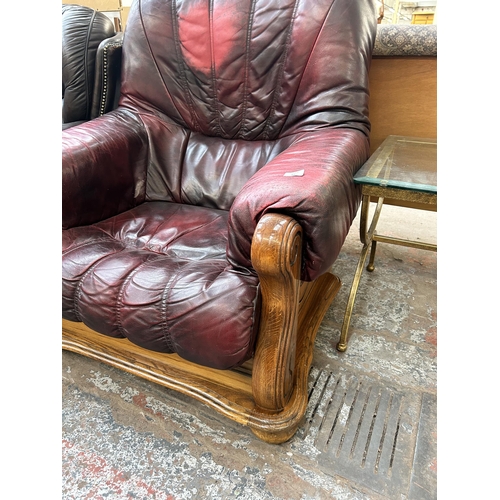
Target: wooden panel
(403, 97)
(125, 12)
(101, 5)
(112, 8)
(422, 18)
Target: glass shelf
(402, 162)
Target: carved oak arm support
(276, 256)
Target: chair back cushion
(235, 80)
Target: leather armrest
(107, 76)
(311, 181)
(103, 168)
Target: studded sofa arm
(107, 75)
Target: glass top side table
(401, 172)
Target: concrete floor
(369, 431)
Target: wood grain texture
(291, 316)
(316, 297)
(403, 98)
(276, 256)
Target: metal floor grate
(364, 430)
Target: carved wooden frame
(269, 393)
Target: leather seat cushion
(158, 275)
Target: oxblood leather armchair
(202, 216)
(91, 64)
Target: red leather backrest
(211, 75)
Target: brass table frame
(369, 237)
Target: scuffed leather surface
(240, 69)
(158, 275)
(103, 168)
(83, 29)
(219, 101)
(321, 196)
(189, 167)
(280, 72)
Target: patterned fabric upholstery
(406, 40)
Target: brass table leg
(367, 240)
(371, 264)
